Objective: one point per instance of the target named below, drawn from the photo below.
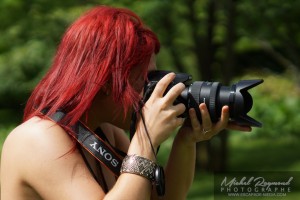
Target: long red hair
(104, 45)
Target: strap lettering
(102, 151)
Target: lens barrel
(213, 94)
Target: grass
(264, 154)
(252, 154)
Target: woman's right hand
(160, 115)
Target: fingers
(179, 121)
(206, 121)
(205, 129)
(174, 92)
(207, 126)
(194, 120)
(179, 109)
(162, 85)
(236, 127)
(223, 122)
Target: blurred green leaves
(267, 38)
(277, 105)
(29, 34)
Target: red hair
(104, 45)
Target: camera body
(213, 94)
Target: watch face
(160, 181)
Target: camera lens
(215, 96)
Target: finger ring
(205, 131)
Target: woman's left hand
(193, 131)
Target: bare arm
(181, 164)
(45, 163)
(42, 160)
(160, 122)
(180, 170)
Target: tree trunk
(228, 73)
(212, 155)
(205, 53)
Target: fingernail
(182, 85)
(191, 110)
(202, 106)
(172, 74)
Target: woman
(97, 77)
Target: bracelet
(138, 165)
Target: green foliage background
(266, 44)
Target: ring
(205, 131)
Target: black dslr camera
(213, 94)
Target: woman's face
(152, 63)
(138, 80)
(104, 109)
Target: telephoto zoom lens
(213, 94)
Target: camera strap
(105, 153)
(159, 175)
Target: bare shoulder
(42, 156)
(36, 140)
(38, 134)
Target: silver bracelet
(138, 165)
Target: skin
(37, 162)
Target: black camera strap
(159, 175)
(103, 152)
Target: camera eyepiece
(213, 94)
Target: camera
(213, 94)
